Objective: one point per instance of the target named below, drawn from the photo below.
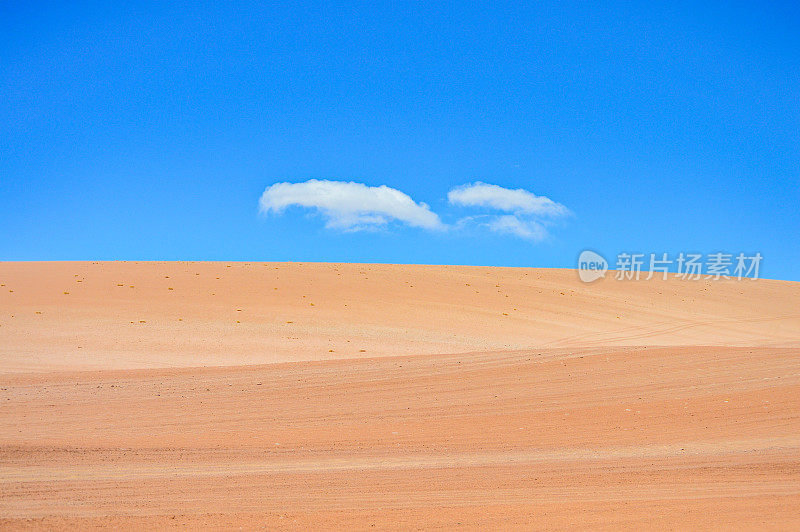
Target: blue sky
(150, 131)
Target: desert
(399, 266)
(296, 395)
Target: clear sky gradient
(150, 131)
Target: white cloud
(511, 224)
(505, 199)
(528, 213)
(350, 206)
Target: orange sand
(343, 395)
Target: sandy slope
(405, 396)
(129, 315)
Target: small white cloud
(528, 213)
(505, 199)
(511, 224)
(350, 206)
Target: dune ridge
(126, 315)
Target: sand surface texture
(161, 395)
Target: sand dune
(145, 315)
(330, 395)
